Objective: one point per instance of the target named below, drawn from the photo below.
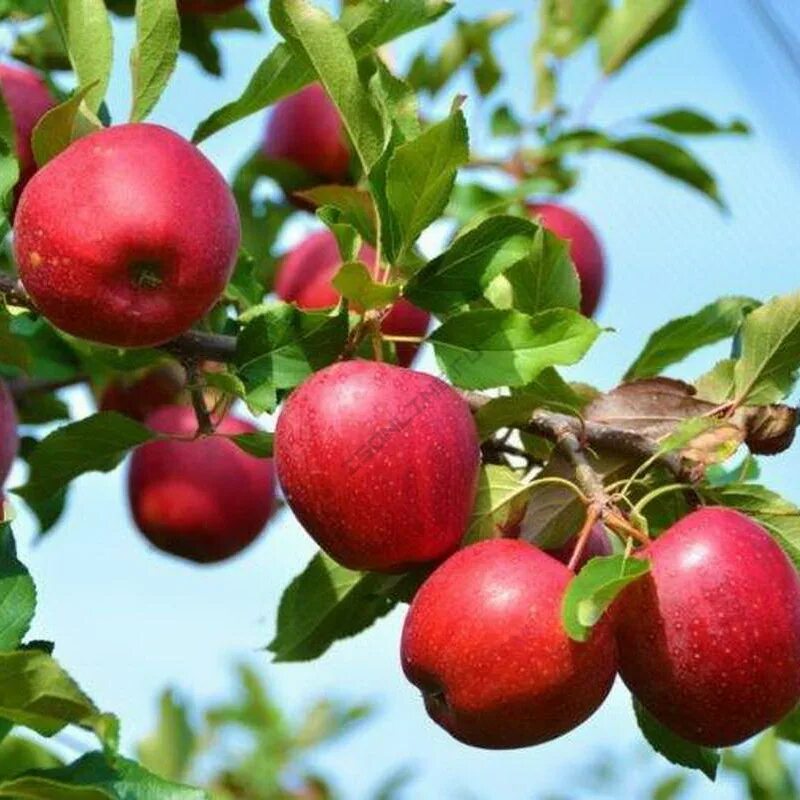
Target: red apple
(306, 129)
(28, 99)
(709, 640)
(304, 277)
(379, 463)
(137, 397)
(128, 237)
(585, 248)
(485, 644)
(208, 6)
(203, 499)
(597, 545)
(9, 439)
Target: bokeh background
(129, 621)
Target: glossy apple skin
(306, 129)
(28, 99)
(115, 207)
(140, 397)
(585, 248)
(597, 545)
(379, 463)
(202, 499)
(709, 641)
(304, 277)
(9, 438)
(484, 642)
(208, 6)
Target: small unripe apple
(585, 249)
(306, 129)
(9, 438)
(597, 544)
(709, 640)
(484, 642)
(28, 99)
(139, 396)
(203, 499)
(305, 277)
(379, 463)
(208, 6)
(127, 237)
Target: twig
(205, 426)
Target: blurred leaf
(42, 46)
(282, 345)
(499, 505)
(504, 123)
(327, 720)
(86, 30)
(253, 708)
(490, 347)
(169, 750)
(594, 588)
(420, 177)
(95, 444)
(632, 25)
(354, 282)
(564, 25)
(244, 287)
(679, 338)
(789, 727)
(258, 444)
(18, 755)
(155, 54)
(687, 121)
(545, 278)
(17, 594)
(770, 341)
(673, 747)
(326, 603)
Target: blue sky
(128, 621)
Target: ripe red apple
(128, 237)
(203, 499)
(485, 644)
(598, 544)
(28, 99)
(304, 277)
(306, 129)
(709, 641)
(379, 463)
(138, 396)
(208, 6)
(9, 438)
(585, 248)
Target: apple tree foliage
(503, 291)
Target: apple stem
(593, 512)
(205, 426)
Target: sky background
(129, 621)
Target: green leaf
(62, 125)
(281, 346)
(631, 26)
(397, 102)
(490, 347)
(169, 750)
(594, 588)
(284, 71)
(326, 603)
(717, 384)
(679, 338)
(354, 282)
(471, 263)
(258, 444)
(155, 54)
(564, 25)
(17, 594)
(675, 749)
(499, 505)
(314, 34)
(547, 390)
(770, 337)
(18, 755)
(354, 205)
(779, 517)
(545, 278)
(504, 123)
(86, 30)
(420, 178)
(95, 777)
(788, 728)
(36, 692)
(687, 121)
(95, 444)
